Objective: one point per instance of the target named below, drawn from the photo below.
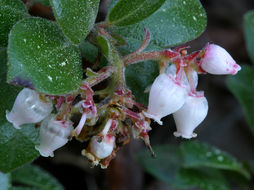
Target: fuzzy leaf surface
(127, 12)
(40, 57)
(76, 18)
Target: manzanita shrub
(87, 81)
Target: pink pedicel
(216, 60)
(53, 135)
(28, 108)
(189, 116)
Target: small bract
(166, 97)
(218, 61)
(28, 108)
(190, 115)
(53, 135)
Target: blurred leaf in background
(29, 177)
(248, 26)
(193, 164)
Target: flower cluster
(107, 121)
(174, 91)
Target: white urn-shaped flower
(216, 60)
(103, 144)
(53, 135)
(28, 108)
(190, 115)
(166, 97)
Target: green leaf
(76, 18)
(127, 12)
(248, 26)
(34, 176)
(16, 146)
(11, 11)
(204, 179)
(242, 86)
(40, 57)
(176, 22)
(90, 53)
(106, 48)
(197, 154)
(140, 76)
(5, 181)
(23, 188)
(167, 166)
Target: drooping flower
(216, 60)
(28, 108)
(102, 145)
(53, 135)
(190, 115)
(166, 97)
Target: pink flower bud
(53, 135)
(166, 97)
(218, 61)
(28, 108)
(102, 145)
(190, 115)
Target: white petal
(53, 135)
(218, 61)
(28, 108)
(102, 149)
(165, 97)
(190, 115)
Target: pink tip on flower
(166, 97)
(190, 115)
(28, 108)
(218, 61)
(53, 135)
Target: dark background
(224, 127)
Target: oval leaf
(198, 154)
(127, 12)
(76, 18)
(40, 57)
(249, 33)
(11, 11)
(16, 146)
(204, 179)
(242, 87)
(34, 176)
(176, 22)
(167, 166)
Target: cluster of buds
(174, 91)
(106, 124)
